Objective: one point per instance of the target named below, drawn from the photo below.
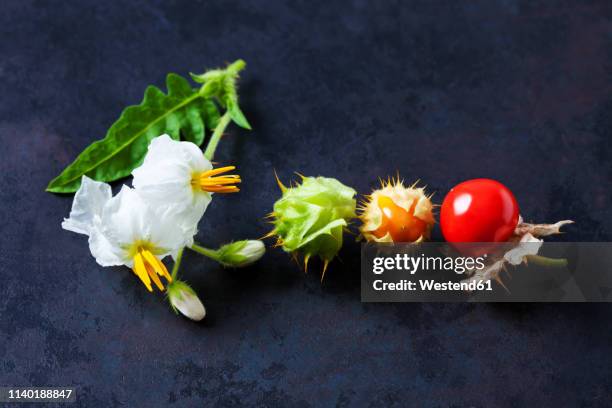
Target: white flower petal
(126, 218)
(165, 148)
(105, 253)
(87, 206)
(174, 228)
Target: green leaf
(179, 112)
(238, 117)
(211, 114)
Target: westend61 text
(432, 285)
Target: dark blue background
(519, 91)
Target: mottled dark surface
(441, 91)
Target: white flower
(177, 174)
(185, 300)
(127, 230)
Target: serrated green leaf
(125, 144)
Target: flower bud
(241, 253)
(184, 299)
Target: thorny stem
(177, 263)
(545, 261)
(216, 136)
(211, 253)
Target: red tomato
(479, 210)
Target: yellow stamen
(141, 271)
(164, 270)
(221, 184)
(157, 265)
(218, 189)
(218, 170)
(154, 277)
(147, 267)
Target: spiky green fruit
(310, 218)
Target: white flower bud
(184, 299)
(241, 253)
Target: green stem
(545, 261)
(177, 263)
(211, 253)
(216, 136)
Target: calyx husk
(413, 200)
(525, 245)
(310, 218)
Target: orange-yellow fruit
(395, 213)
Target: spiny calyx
(396, 213)
(310, 218)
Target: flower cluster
(158, 217)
